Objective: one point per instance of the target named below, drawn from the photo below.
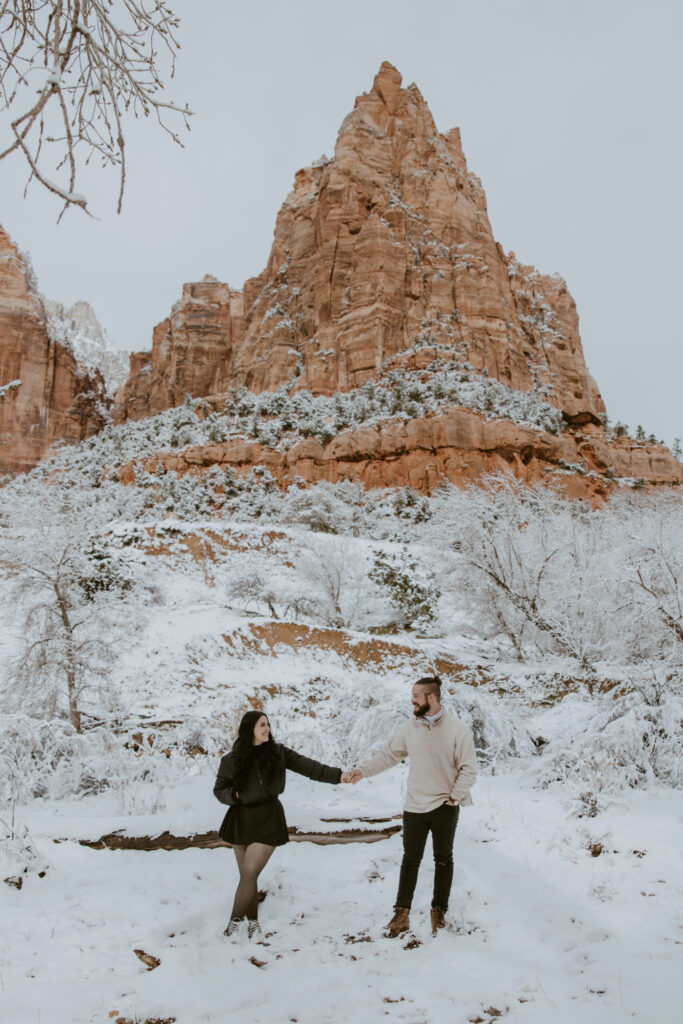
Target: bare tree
(251, 586)
(70, 71)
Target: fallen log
(211, 840)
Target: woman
(249, 780)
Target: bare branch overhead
(70, 73)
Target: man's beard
(421, 711)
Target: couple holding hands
(442, 771)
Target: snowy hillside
(138, 626)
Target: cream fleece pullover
(443, 764)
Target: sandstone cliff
(383, 248)
(53, 397)
(191, 352)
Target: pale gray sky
(571, 114)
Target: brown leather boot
(399, 923)
(438, 916)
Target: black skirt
(263, 822)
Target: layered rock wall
(57, 399)
(457, 445)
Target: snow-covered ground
(567, 899)
(539, 928)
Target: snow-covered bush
(625, 738)
(50, 760)
(409, 585)
(19, 854)
(327, 508)
(499, 726)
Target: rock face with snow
(457, 444)
(50, 397)
(77, 327)
(384, 247)
(191, 351)
(383, 266)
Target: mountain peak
(387, 85)
(385, 247)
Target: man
(443, 768)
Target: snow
(282, 418)
(7, 389)
(71, 197)
(538, 926)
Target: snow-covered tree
(593, 584)
(655, 565)
(334, 574)
(66, 585)
(530, 562)
(326, 507)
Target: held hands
(354, 775)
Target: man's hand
(451, 803)
(353, 775)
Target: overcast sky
(571, 114)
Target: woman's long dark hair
(246, 753)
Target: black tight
(251, 861)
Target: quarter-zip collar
(429, 721)
(433, 719)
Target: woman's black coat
(259, 787)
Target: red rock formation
(457, 445)
(57, 400)
(385, 246)
(191, 351)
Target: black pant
(441, 823)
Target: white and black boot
(233, 927)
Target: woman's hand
(354, 775)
